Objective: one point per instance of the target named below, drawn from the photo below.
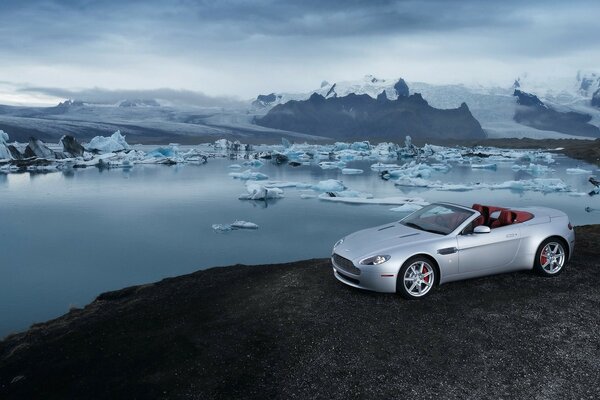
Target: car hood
(380, 240)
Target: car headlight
(375, 260)
(338, 243)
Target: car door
(492, 252)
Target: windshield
(437, 218)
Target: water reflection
(136, 225)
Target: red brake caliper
(543, 259)
(425, 270)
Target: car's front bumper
(371, 277)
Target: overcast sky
(198, 50)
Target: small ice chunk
(307, 196)
(578, 171)
(238, 224)
(346, 194)
(384, 167)
(235, 166)
(351, 171)
(253, 163)
(260, 192)
(222, 227)
(408, 207)
(332, 164)
(248, 175)
(484, 166)
(3, 136)
(329, 185)
(375, 200)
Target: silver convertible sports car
(446, 242)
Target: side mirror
(482, 229)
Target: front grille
(347, 278)
(345, 264)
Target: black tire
(427, 281)
(551, 257)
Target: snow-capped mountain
(493, 107)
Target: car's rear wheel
(551, 257)
(416, 278)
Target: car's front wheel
(550, 258)
(416, 278)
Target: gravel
(292, 331)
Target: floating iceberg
(537, 185)
(248, 175)
(244, 225)
(163, 152)
(329, 185)
(532, 168)
(346, 194)
(332, 164)
(115, 142)
(253, 163)
(235, 166)
(384, 167)
(260, 192)
(578, 171)
(374, 200)
(234, 226)
(351, 171)
(484, 166)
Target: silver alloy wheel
(552, 257)
(419, 278)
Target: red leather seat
(483, 218)
(522, 216)
(506, 217)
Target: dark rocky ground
(293, 331)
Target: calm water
(66, 237)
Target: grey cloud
(105, 96)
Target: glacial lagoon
(69, 235)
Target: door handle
(512, 235)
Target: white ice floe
(484, 166)
(332, 164)
(578, 171)
(235, 166)
(238, 224)
(249, 175)
(412, 170)
(244, 225)
(253, 163)
(351, 171)
(408, 207)
(115, 142)
(376, 200)
(536, 169)
(257, 191)
(329, 185)
(384, 167)
(346, 194)
(288, 184)
(536, 185)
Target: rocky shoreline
(293, 331)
